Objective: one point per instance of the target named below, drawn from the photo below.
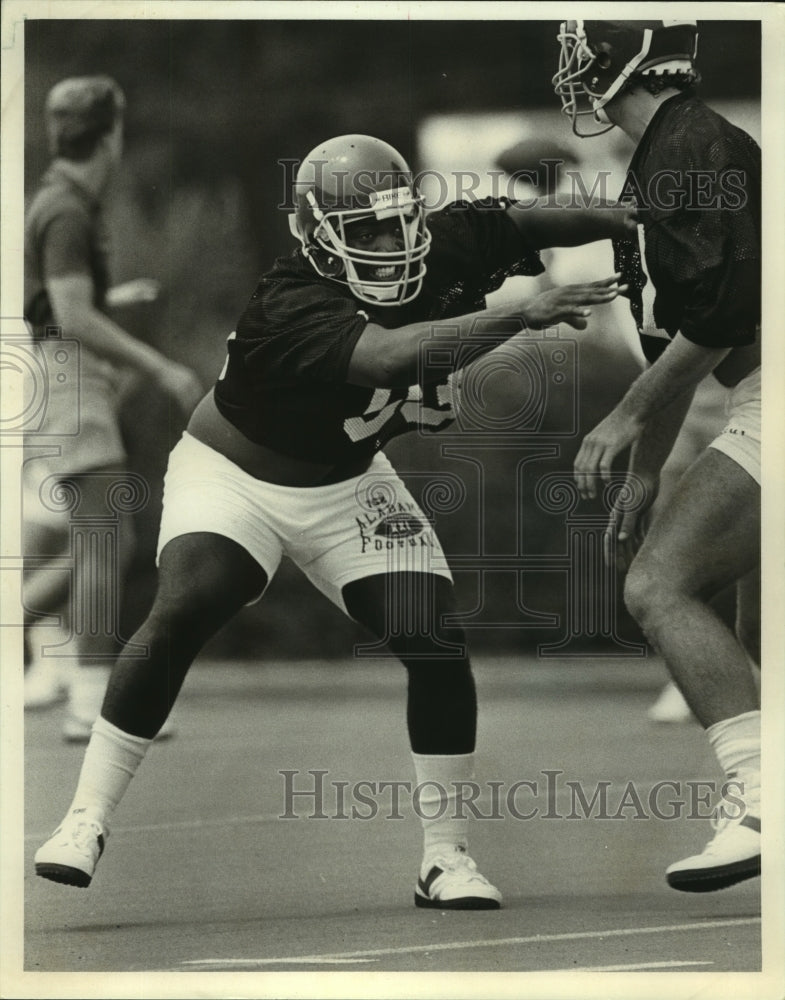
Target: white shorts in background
(367, 525)
(82, 412)
(740, 438)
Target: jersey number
(430, 408)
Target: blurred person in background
(328, 363)
(67, 297)
(696, 179)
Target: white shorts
(82, 409)
(367, 525)
(740, 438)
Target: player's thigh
(366, 526)
(412, 612)
(708, 535)
(205, 579)
(214, 532)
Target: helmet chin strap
(385, 293)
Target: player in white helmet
(695, 291)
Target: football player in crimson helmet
(348, 180)
(285, 456)
(701, 246)
(598, 58)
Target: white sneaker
(731, 856)
(450, 881)
(72, 852)
(670, 706)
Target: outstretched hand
(570, 304)
(600, 447)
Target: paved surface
(203, 878)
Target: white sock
(110, 761)
(736, 742)
(444, 826)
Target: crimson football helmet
(344, 180)
(597, 59)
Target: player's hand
(132, 292)
(181, 384)
(570, 304)
(600, 447)
(627, 527)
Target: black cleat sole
(466, 903)
(63, 874)
(710, 880)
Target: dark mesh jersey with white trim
(284, 383)
(697, 181)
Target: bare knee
(649, 593)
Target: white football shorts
(740, 438)
(366, 525)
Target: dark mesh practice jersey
(284, 383)
(64, 234)
(697, 181)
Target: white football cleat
(670, 706)
(731, 856)
(450, 881)
(72, 852)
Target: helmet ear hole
(329, 265)
(603, 58)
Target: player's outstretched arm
(385, 358)
(549, 224)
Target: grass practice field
(204, 887)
